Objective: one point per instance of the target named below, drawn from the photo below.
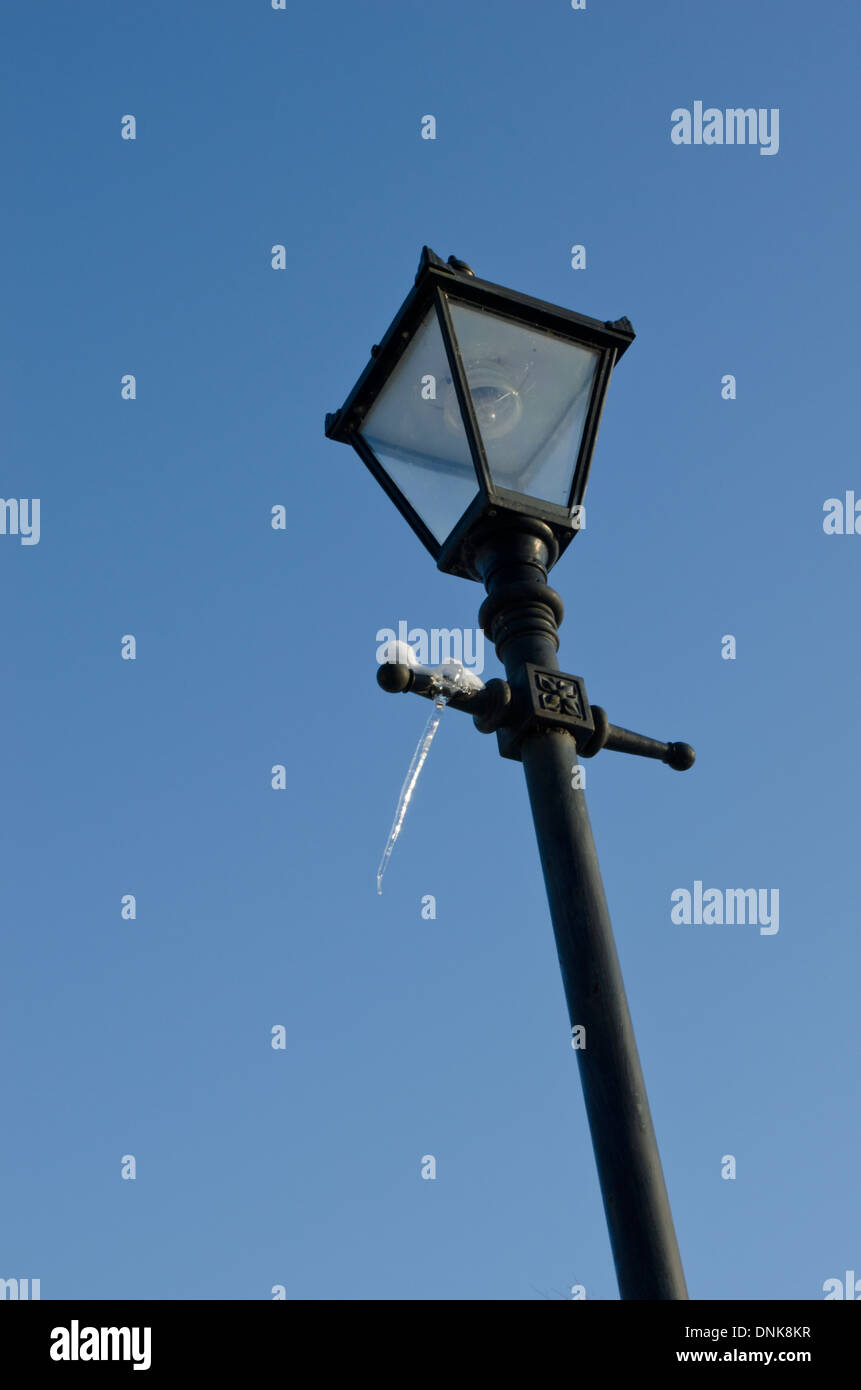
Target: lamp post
(478, 414)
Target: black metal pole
(521, 616)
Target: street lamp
(481, 405)
(478, 414)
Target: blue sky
(256, 908)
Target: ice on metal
(415, 767)
(450, 678)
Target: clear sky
(256, 907)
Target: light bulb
(497, 402)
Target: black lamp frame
(436, 283)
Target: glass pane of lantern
(531, 393)
(415, 430)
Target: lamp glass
(531, 392)
(422, 445)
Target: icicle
(450, 678)
(415, 767)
